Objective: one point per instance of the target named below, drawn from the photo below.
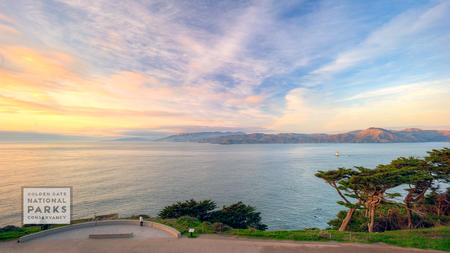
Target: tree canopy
(363, 188)
(190, 208)
(237, 215)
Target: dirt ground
(205, 243)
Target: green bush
(190, 208)
(219, 227)
(188, 221)
(205, 227)
(238, 215)
(324, 234)
(11, 228)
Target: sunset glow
(106, 68)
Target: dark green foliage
(219, 227)
(358, 223)
(190, 208)
(440, 160)
(369, 188)
(10, 228)
(436, 206)
(188, 221)
(393, 216)
(238, 215)
(45, 226)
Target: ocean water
(142, 177)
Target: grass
(184, 224)
(11, 235)
(431, 238)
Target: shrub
(219, 227)
(10, 228)
(190, 208)
(188, 221)
(238, 215)
(205, 227)
(45, 226)
(324, 234)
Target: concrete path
(83, 233)
(204, 244)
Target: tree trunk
(439, 204)
(372, 204)
(408, 212)
(347, 219)
(372, 218)
(409, 198)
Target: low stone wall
(163, 227)
(155, 225)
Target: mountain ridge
(196, 137)
(370, 135)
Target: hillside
(196, 137)
(370, 135)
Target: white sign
(46, 205)
(191, 230)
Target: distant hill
(370, 135)
(196, 137)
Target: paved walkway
(204, 244)
(83, 233)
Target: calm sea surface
(142, 178)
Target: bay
(142, 177)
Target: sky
(135, 68)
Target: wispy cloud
(399, 32)
(438, 85)
(174, 65)
(6, 19)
